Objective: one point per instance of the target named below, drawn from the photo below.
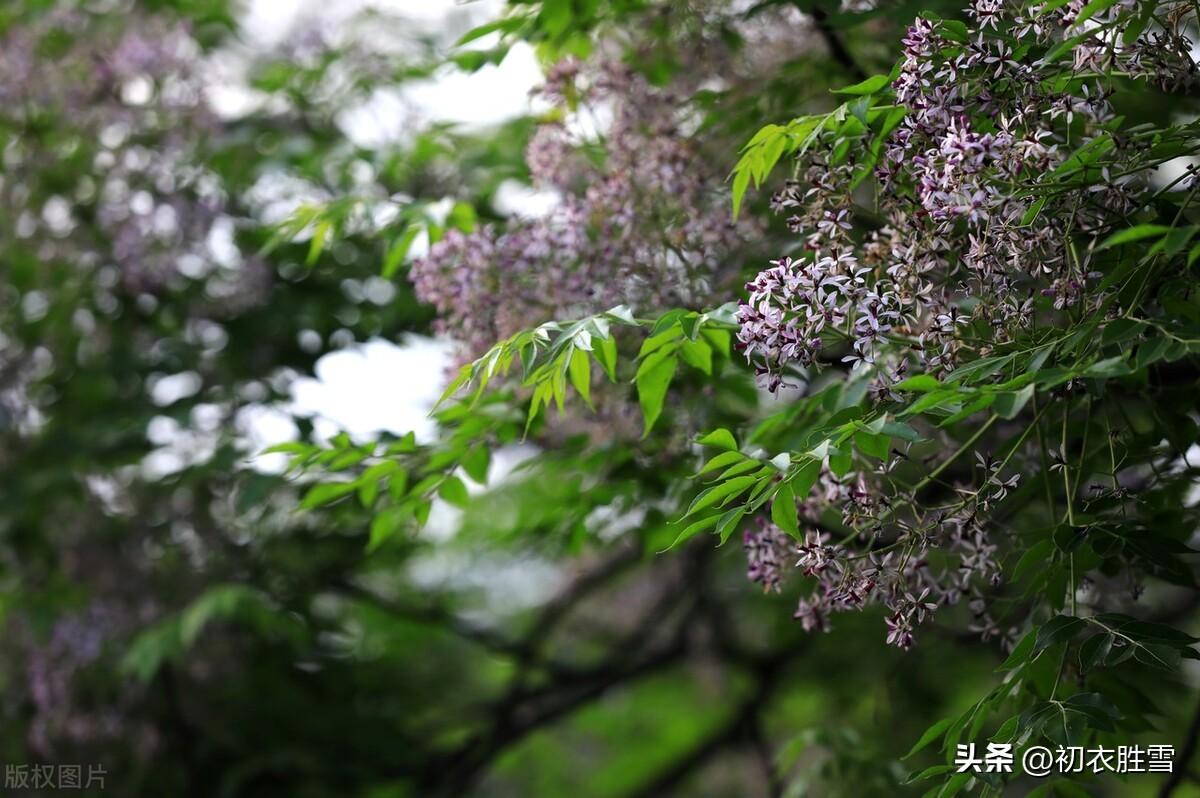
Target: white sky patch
(508, 583)
(267, 23)
(494, 93)
(375, 387)
(514, 198)
(378, 386)
(179, 445)
(1170, 172)
(166, 390)
(263, 426)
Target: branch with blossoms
(980, 346)
(1000, 266)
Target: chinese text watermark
(54, 777)
(1040, 760)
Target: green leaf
(920, 383)
(1036, 555)
(555, 17)
(898, 429)
(955, 30)
(1131, 234)
(934, 732)
(981, 402)
(622, 314)
(151, 648)
(475, 463)
(1116, 366)
(506, 25)
(745, 465)
(1007, 731)
(783, 510)
(868, 86)
(454, 491)
(1120, 330)
(1009, 404)
(729, 522)
(693, 529)
(719, 339)
(929, 773)
(1093, 8)
(933, 399)
(605, 352)
(1032, 212)
(385, 525)
(1093, 651)
(807, 476)
(398, 485)
(741, 181)
(579, 368)
(326, 493)
(291, 447)
(1022, 652)
(398, 250)
(1059, 629)
(720, 493)
(1157, 655)
(1061, 725)
(720, 438)
(541, 396)
(1145, 631)
(652, 391)
(697, 354)
(316, 244)
(1135, 27)
(721, 461)
(368, 483)
(1152, 351)
(221, 601)
(873, 444)
(656, 349)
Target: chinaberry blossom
(644, 226)
(979, 124)
(767, 549)
(961, 245)
(905, 580)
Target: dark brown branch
(766, 757)
(742, 727)
(560, 606)
(525, 708)
(523, 649)
(454, 773)
(437, 616)
(837, 47)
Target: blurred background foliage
(169, 613)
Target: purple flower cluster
(641, 222)
(896, 570)
(957, 247)
(63, 713)
(964, 244)
(133, 95)
(767, 550)
(794, 302)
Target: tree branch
(837, 47)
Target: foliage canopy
(892, 310)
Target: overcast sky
(385, 385)
(379, 385)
